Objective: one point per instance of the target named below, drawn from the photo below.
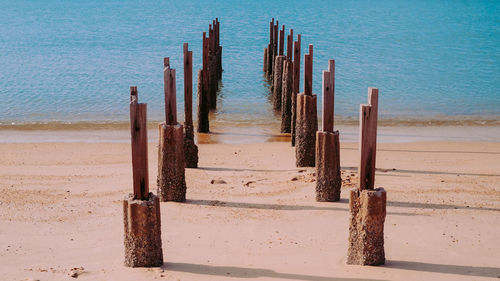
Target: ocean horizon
(70, 64)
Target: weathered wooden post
(277, 82)
(307, 119)
(328, 180)
(203, 100)
(289, 45)
(141, 210)
(190, 148)
(296, 85)
(276, 40)
(265, 60)
(367, 205)
(171, 162)
(270, 49)
(219, 49)
(282, 41)
(286, 97)
(212, 70)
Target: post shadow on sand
(262, 206)
(480, 271)
(245, 272)
(423, 172)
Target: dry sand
(61, 209)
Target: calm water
(73, 61)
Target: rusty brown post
(282, 41)
(170, 93)
(367, 205)
(289, 46)
(286, 97)
(296, 85)
(171, 160)
(307, 119)
(141, 209)
(190, 148)
(278, 82)
(328, 179)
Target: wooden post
(271, 31)
(275, 42)
(368, 140)
(188, 86)
(170, 93)
(289, 46)
(190, 148)
(205, 62)
(282, 40)
(296, 65)
(212, 66)
(217, 32)
(328, 97)
(278, 82)
(308, 69)
(367, 204)
(286, 97)
(203, 121)
(270, 49)
(265, 60)
(138, 130)
(296, 84)
(133, 94)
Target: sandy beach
(250, 214)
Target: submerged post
(141, 210)
(190, 148)
(328, 179)
(171, 162)
(307, 119)
(367, 205)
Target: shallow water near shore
(71, 63)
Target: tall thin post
(289, 45)
(282, 41)
(170, 93)
(296, 85)
(138, 131)
(308, 68)
(188, 86)
(328, 97)
(275, 40)
(368, 140)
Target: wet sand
(61, 209)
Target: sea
(69, 64)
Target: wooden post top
(170, 93)
(133, 94)
(308, 70)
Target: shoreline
(252, 134)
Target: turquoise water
(73, 61)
